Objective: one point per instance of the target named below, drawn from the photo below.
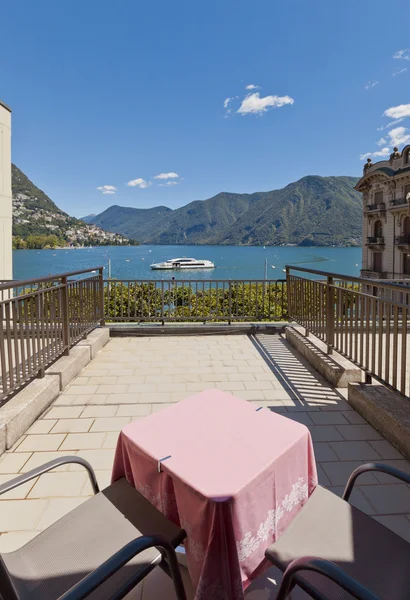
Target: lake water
(232, 262)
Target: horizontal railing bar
(174, 281)
(334, 286)
(371, 282)
(22, 282)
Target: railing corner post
(66, 317)
(330, 315)
(101, 296)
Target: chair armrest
(327, 569)
(97, 577)
(57, 462)
(387, 469)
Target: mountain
(88, 218)
(38, 222)
(314, 211)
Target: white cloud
(107, 189)
(168, 183)
(399, 72)
(251, 86)
(402, 54)
(167, 176)
(139, 182)
(227, 101)
(370, 84)
(391, 124)
(398, 112)
(381, 153)
(254, 104)
(399, 136)
(382, 142)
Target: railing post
(330, 315)
(288, 293)
(230, 303)
(101, 295)
(65, 317)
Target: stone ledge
(21, 411)
(387, 411)
(335, 368)
(96, 340)
(68, 367)
(153, 329)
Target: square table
(230, 473)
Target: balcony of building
(403, 240)
(375, 241)
(373, 274)
(132, 377)
(398, 203)
(376, 208)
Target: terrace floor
(132, 377)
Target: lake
(232, 262)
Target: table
(232, 474)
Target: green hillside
(315, 210)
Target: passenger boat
(183, 263)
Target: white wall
(6, 205)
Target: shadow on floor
(306, 386)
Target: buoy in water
(127, 260)
(273, 267)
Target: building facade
(6, 204)
(385, 186)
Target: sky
(160, 103)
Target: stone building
(6, 204)
(385, 186)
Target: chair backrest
(7, 591)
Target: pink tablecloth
(234, 476)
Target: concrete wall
(6, 205)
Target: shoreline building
(6, 203)
(385, 186)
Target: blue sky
(106, 93)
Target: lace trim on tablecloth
(194, 547)
(217, 591)
(251, 542)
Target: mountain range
(314, 211)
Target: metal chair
(334, 551)
(100, 550)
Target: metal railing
(194, 300)
(380, 207)
(41, 319)
(397, 202)
(366, 321)
(403, 240)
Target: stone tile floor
(132, 377)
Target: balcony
(132, 377)
(375, 241)
(371, 274)
(398, 202)
(403, 240)
(376, 208)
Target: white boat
(183, 263)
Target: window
(406, 264)
(377, 262)
(406, 226)
(378, 229)
(406, 190)
(378, 198)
